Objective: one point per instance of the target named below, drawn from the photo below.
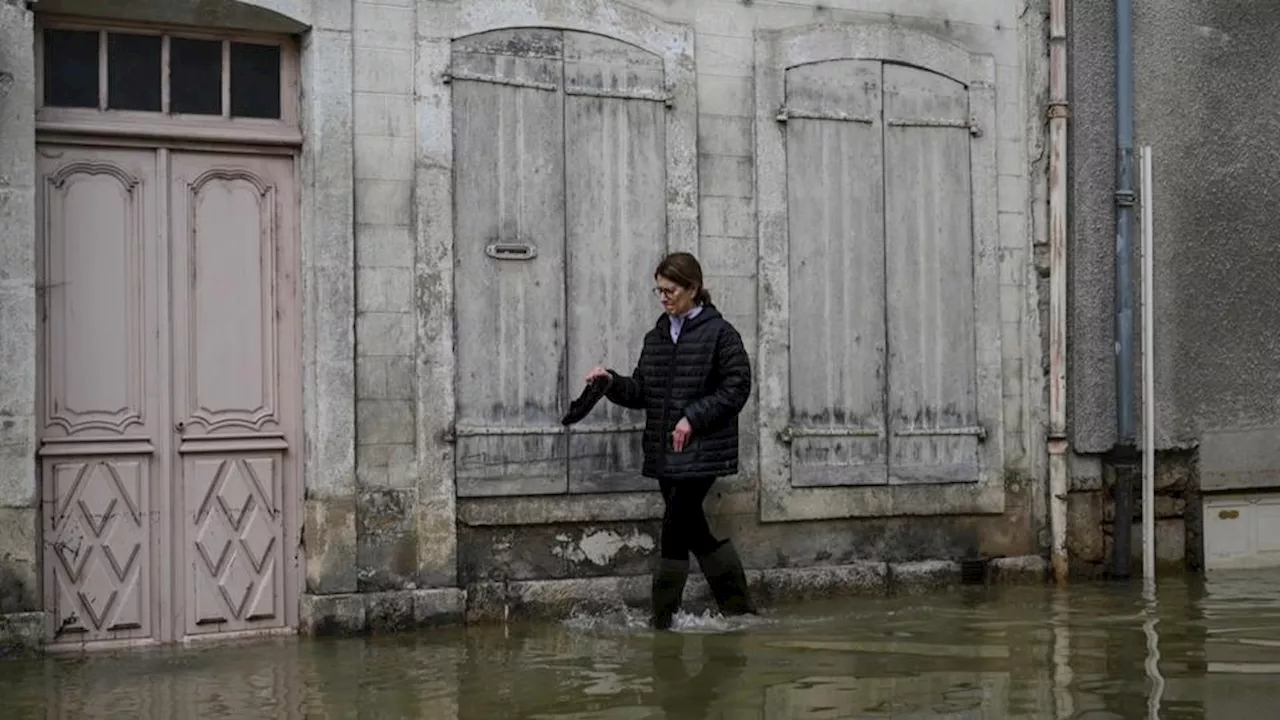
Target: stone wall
(1091, 515)
(19, 563)
(387, 542)
(544, 538)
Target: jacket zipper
(666, 400)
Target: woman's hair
(683, 269)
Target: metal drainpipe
(1124, 198)
(1058, 442)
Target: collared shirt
(677, 322)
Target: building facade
(341, 265)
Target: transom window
(110, 74)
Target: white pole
(1148, 385)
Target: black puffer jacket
(706, 377)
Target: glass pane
(71, 68)
(195, 76)
(133, 72)
(255, 81)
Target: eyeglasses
(665, 292)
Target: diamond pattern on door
(236, 540)
(98, 534)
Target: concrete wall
(1207, 101)
(381, 520)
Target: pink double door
(169, 392)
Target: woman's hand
(680, 436)
(596, 373)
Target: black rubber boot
(727, 579)
(668, 587)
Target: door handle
(180, 425)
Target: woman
(692, 380)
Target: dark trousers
(684, 524)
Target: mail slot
(511, 251)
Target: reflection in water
(1191, 650)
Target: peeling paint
(600, 547)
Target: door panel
(509, 254)
(616, 234)
(235, 325)
(234, 499)
(933, 413)
(98, 362)
(835, 211)
(99, 558)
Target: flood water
(1205, 649)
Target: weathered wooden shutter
(835, 213)
(933, 410)
(616, 223)
(509, 251)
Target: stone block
(332, 14)
(384, 158)
(726, 134)
(1168, 507)
(22, 633)
(329, 536)
(1013, 265)
(371, 380)
(799, 584)
(19, 560)
(389, 612)
(1011, 382)
(384, 70)
(17, 352)
(728, 256)
(728, 216)
(735, 296)
(1026, 569)
(1013, 193)
(384, 422)
(402, 380)
(384, 202)
(17, 462)
(550, 599)
(1171, 544)
(731, 96)
(386, 466)
(726, 56)
(723, 17)
(17, 250)
(387, 543)
(556, 551)
(1013, 301)
(442, 606)
(17, 95)
(1015, 231)
(384, 246)
(924, 576)
(384, 115)
(384, 289)
(1085, 516)
(332, 615)
(382, 26)
(385, 333)
(725, 175)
